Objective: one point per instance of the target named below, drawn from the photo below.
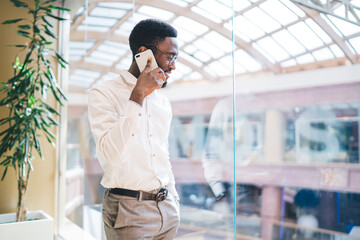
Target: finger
(158, 70)
(161, 76)
(148, 63)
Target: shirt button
(153, 154)
(132, 134)
(149, 115)
(150, 135)
(139, 114)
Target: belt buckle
(161, 195)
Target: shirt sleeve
(113, 131)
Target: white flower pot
(39, 226)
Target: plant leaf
(19, 4)
(12, 21)
(24, 34)
(36, 29)
(60, 57)
(49, 1)
(48, 32)
(47, 22)
(56, 17)
(49, 133)
(59, 8)
(3, 176)
(24, 27)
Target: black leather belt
(141, 195)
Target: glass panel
(293, 8)
(191, 59)
(321, 33)
(247, 28)
(206, 14)
(307, 58)
(98, 21)
(247, 61)
(120, 5)
(288, 42)
(196, 28)
(178, 2)
(261, 19)
(288, 63)
(305, 35)
(323, 54)
(265, 53)
(294, 149)
(92, 28)
(219, 40)
(212, 50)
(336, 50)
(215, 8)
(280, 157)
(238, 5)
(278, 11)
(156, 12)
(345, 28)
(107, 12)
(103, 61)
(202, 56)
(269, 45)
(355, 43)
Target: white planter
(40, 226)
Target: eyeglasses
(172, 58)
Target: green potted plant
(25, 94)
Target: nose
(172, 65)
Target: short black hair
(150, 32)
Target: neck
(134, 70)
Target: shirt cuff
(218, 188)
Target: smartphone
(142, 58)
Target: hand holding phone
(142, 58)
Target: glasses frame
(172, 57)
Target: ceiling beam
(315, 15)
(330, 6)
(82, 17)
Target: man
(130, 122)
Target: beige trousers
(129, 219)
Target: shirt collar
(128, 77)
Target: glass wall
(259, 149)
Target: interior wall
(42, 191)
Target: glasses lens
(173, 59)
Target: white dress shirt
(131, 140)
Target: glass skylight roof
(155, 12)
(108, 12)
(267, 32)
(278, 11)
(261, 19)
(288, 42)
(274, 49)
(215, 8)
(305, 35)
(345, 28)
(196, 28)
(206, 14)
(247, 28)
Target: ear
(141, 49)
